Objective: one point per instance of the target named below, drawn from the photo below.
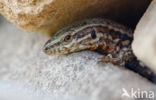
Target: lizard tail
(139, 68)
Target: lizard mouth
(51, 50)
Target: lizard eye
(68, 38)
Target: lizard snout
(47, 50)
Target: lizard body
(107, 37)
(111, 39)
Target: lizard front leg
(109, 53)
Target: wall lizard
(109, 38)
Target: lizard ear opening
(68, 38)
(93, 34)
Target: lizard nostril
(45, 49)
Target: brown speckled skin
(104, 36)
(112, 39)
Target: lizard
(104, 36)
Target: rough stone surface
(47, 16)
(28, 74)
(144, 44)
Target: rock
(47, 16)
(73, 77)
(144, 44)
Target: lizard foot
(109, 59)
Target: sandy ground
(27, 73)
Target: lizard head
(72, 39)
(59, 44)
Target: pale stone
(144, 44)
(47, 16)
